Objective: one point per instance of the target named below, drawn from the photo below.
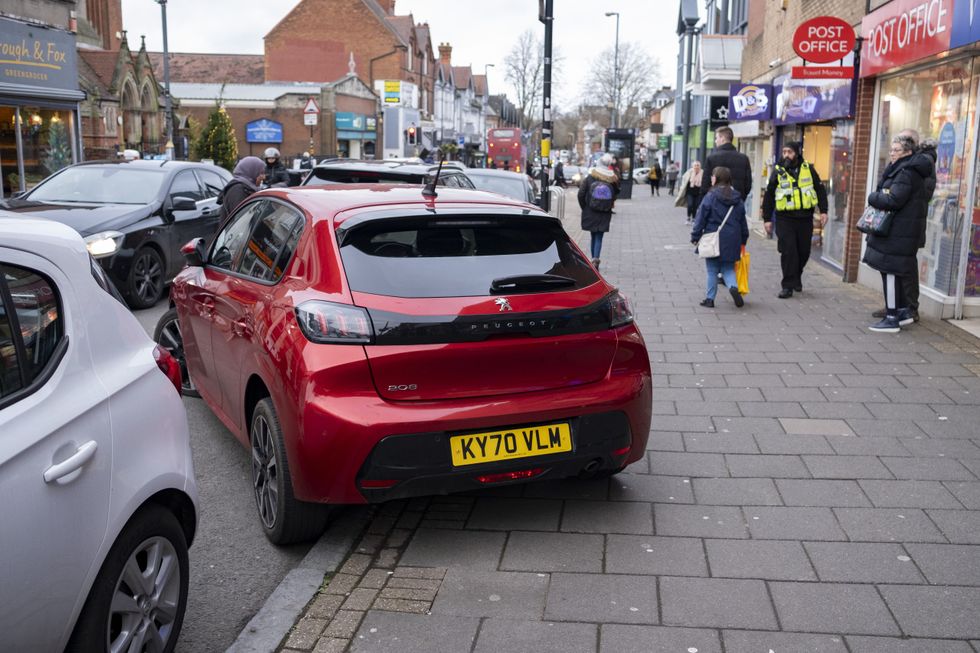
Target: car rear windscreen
(409, 257)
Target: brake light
(169, 366)
(620, 310)
(517, 168)
(491, 145)
(510, 476)
(370, 484)
(329, 323)
(621, 452)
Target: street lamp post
(615, 114)
(168, 108)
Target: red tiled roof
(102, 63)
(480, 84)
(462, 75)
(202, 68)
(86, 73)
(403, 26)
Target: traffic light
(411, 135)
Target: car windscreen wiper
(529, 283)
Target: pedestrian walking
(793, 192)
(596, 195)
(726, 155)
(722, 211)
(306, 162)
(926, 153)
(245, 180)
(560, 175)
(275, 171)
(900, 191)
(673, 170)
(690, 192)
(654, 176)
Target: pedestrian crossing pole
(546, 16)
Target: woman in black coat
(900, 191)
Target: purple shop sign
(811, 100)
(749, 102)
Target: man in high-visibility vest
(793, 193)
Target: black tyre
(138, 599)
(168, 335)
(284, 518)
(145, 284)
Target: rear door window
(408, 257)
(230, 241)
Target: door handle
(206, 211)
(242, 328)
(207, 306)
(81, 456)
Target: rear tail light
(370, 484)
(621, 452)
(620, 310)
(329, 323)
(169, 366)
(509, 476)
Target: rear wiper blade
(530, 282)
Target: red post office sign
(904, 31)
(823, 39)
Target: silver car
(99, 499)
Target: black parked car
(351, 171)
(134, 216)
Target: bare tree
(638, 77)
(524, 69)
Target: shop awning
(23, 90)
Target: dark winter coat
(276, 174)
(596, 220)
(726, 155)
(242, 184)
(793, 168)
(901, 190)
(927, 154)
(711, 214)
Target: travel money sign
(823, 40)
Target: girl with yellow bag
(720, 232)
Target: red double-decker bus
(506, 149)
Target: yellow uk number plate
(524, 442)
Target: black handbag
(877, 222)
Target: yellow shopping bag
(742, 272)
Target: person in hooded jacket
(901, 190)
(926, 155)
(726, 155)
(245, 180)
(793, 192)
(596, 195)
(721, 201)
(275, 170)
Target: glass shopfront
(829, 148)
(46, 143)
(939, 102)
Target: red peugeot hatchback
(367, 342)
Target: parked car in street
(640, 175)
(370, 342)
(575, 174)
(511, 184)
(350, 171)
(134, 216)
(99, 498)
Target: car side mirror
(181, 203)
(194, 252)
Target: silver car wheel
(265, 471)
(144, 603)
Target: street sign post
(310, 113)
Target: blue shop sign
(966, 24)
(749, 102)
(263, 131)
(811, 100)
(348, 120)
(36, 58)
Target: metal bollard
(556, 204)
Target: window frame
(301, 226)
(189, 172)
(30, 386)
(199, 173)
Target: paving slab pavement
(810, 486)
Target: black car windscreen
(407, 257)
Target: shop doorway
(828, 148)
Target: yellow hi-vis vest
(795, 194)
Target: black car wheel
(145, 285)
(169, 336)
(138, 599)
(284, 518)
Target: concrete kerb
(266, 630)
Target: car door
(185, 225)
(212, 184)
(55, 453)
(246, 291)
(195, 306)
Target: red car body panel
(333, 400)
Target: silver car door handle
(81, 456)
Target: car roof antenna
(430, 188)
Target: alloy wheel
(148, 276)
(265, 471)
(144, 604)
(171, 339)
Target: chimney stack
(445, 53)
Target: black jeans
(693, 201)
(793, 238)
(910, 287)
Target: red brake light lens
(329, 323)
(509, 476)
(169, 366)
(620, 309)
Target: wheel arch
(255, 391)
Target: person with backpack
(245, 180)
(654, 176)
(596, 195)
(723, 211)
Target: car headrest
(440, 241)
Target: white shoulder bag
(710, 246)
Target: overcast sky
(478, 37)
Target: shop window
(936, 102)
(46, 141)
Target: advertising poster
(811, 100)
(749, 102)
